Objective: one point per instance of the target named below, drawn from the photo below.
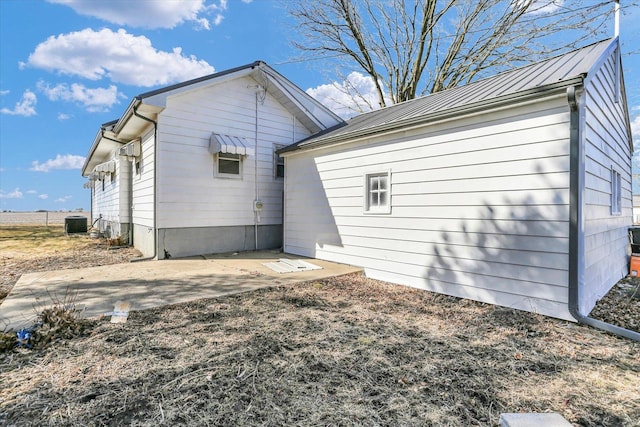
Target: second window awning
(106, 167)
(219, 143)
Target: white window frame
(378, 209)
(228, 156)
(616, 192)
(276, 159)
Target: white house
(191, 168)
(514, 190)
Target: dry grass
(23, 240)
(343, 351)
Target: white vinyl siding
(187, 194)
(143, 184)
(480, 207)
(607, 158)
(110, 198)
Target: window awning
(219, 143)
(106, 167)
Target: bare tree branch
(413, 47)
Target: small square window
(278, 162)
(616, 193)
(229, 164)
(378, 193)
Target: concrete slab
(533, 419)
(152, 283)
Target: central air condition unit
(132, 149)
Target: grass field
(27, 240)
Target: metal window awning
(132, 149)
(106, 167)
(219, 143)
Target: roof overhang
(335, 136)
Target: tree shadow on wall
(513, 253)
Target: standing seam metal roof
(551, 71)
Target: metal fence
(45, 218)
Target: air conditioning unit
(132, 149)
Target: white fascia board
(317, 113)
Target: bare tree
(413, 47)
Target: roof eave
(401, 125)
(96, 142)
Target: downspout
(576, 229)
(256, 214)
(131, 170)
(260, 92)
(155, 187)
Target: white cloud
(354, 95)
(94, 100)
(43, 196)
(635, 127)
(32, 192)
(15, 194)
(145, 14)
(204, 24)
(635, 131)
(25, 107)
(63, 116)
(538, 7)
(218, 19)
(63, 199)
(68, 161)
(118, 56)
(5, 92)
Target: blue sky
(67, 66)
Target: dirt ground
(342, 351)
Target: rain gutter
(576, 222)
(155, 186)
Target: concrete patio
(147, 284)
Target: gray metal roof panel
(551, 71)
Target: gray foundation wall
(181, 242)
(143, 239)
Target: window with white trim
(278, 162)
(229, 164)
(616, 192)
(378, 193)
